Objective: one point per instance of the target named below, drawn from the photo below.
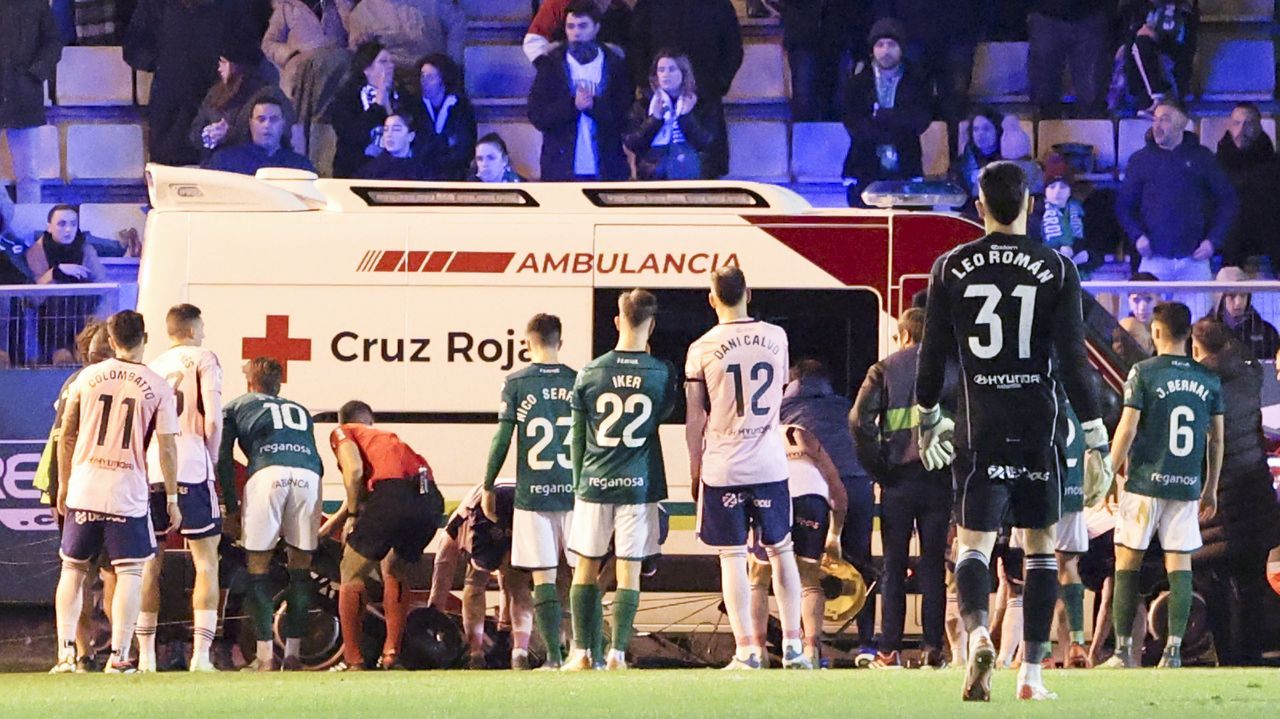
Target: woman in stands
(63, 255)
(222, 119)
(443, 120)
(669, 129)
(398, 160)
(492, 161)
(979, 146)
(361, 106)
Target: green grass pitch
(1251, 694)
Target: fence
(38, 323)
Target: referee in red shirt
(391, 513)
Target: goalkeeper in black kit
(1010, 308)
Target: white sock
(125, 607)
(1029, 673)
(1011, 631)
(265, 651)
(68, 602)
(615, 654)
(146, 633)
(753, 650)
(736, 588)
(292, 647)
(206, 623)
(787, 589)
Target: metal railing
(1113, 294)
(38, 323)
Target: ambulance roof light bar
(920, 194)
(724, 197)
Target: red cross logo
(278, 344)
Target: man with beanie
(1257, 337)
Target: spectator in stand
(884, 422)
(222, 119)
(822, 38)
(1249, 158)
(1256, 338)
(706, 32)
(579, 101)
(1176, 203)
(493, 162)
(1155, 61)
(546, 32)
(886, 111)
(302, 31)
(810, 401)
(443, 120)
(410, 29)
(1138, 323)
(944, 35)
(397, 160)
(361, 107)
(669, 127)
(63, 255)
(267, 146)
(1231, 566)
(29, 52)
(1075, 34)
(980, 138)
(1059, 220)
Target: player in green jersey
(1169, 447)
(619, 400)
(1073, 539)
(535, 405)
(281, 500)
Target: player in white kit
(196, 378)
(738, 462)
(112, 410)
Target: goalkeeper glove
(1098, 475)
(936, 435)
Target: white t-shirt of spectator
(585, 161)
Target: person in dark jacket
(1176, 204)
(1231, 566)
(579, 101)
(822, 38)
(444, 122)
(223, 118)
(1249, 158)
(810, 401)
(707, 32)
(1158, 51)
(361, 106)
(397, 161)
(885, 112)
(493, 161)
(884, 422)
(1075, 34)
(669, 128)
(267, 146)
(1257, 338)
(29, 52)
(546, 30)
(944, 36)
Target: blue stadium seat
(817, 151)
(30, 219)
(498, 72)
(758, 151)
(763, 76)
(524, 143)
(1229, 69)
(49, 162)
(104, 152)
(108, 219)
(1000, 72)
(497, 9)
(1099, 133)
(93, 76)
(1236, 11)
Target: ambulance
(413, 296)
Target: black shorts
(397, 516)
(1023, 490)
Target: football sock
(625, 604)
(1179, 604)
(597, 629)
(265, 650)
(1011, 631)
(395, 611)
(69, 600)
(350, 605)
(257, 603)
(292, 647)
(786, 590)
(1040, 596)
(125, 606)
(298, 603)
(1124, 606)
(736, 588)
(973, 587)
(1029, 673)
(206, 624)
(146, 633)
(584, 603)
(546, 613)
(1073, 603)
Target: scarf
(440, 120)
(670, 132)
(57, 253)
(1063, 226)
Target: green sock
(1179, 603)
(625, 604)
(546, 614)
(1073, 602)
(584, 605)
(298, 603)
(597, 630)
(257, 603)
(1124, 604)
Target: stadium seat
(108, 219)
(758, 151)
(818, 150)
(763, 76)
(1213, 128)
(524, 143)
(1099, 133)
(497, 9)
(1000, 72)
(93, 76)
(49, 162)
(937, 153)
(1236, 11)
(142, 87)
(30, 219)
(104, 152)
(498, 72)
(1235, 69)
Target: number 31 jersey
(193, 373)
(122, 405)
(1012, 308)
(744, 365)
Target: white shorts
(281, 502)
(539, 539)
(1073, 533)
(1175, 521)
(633, 528)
